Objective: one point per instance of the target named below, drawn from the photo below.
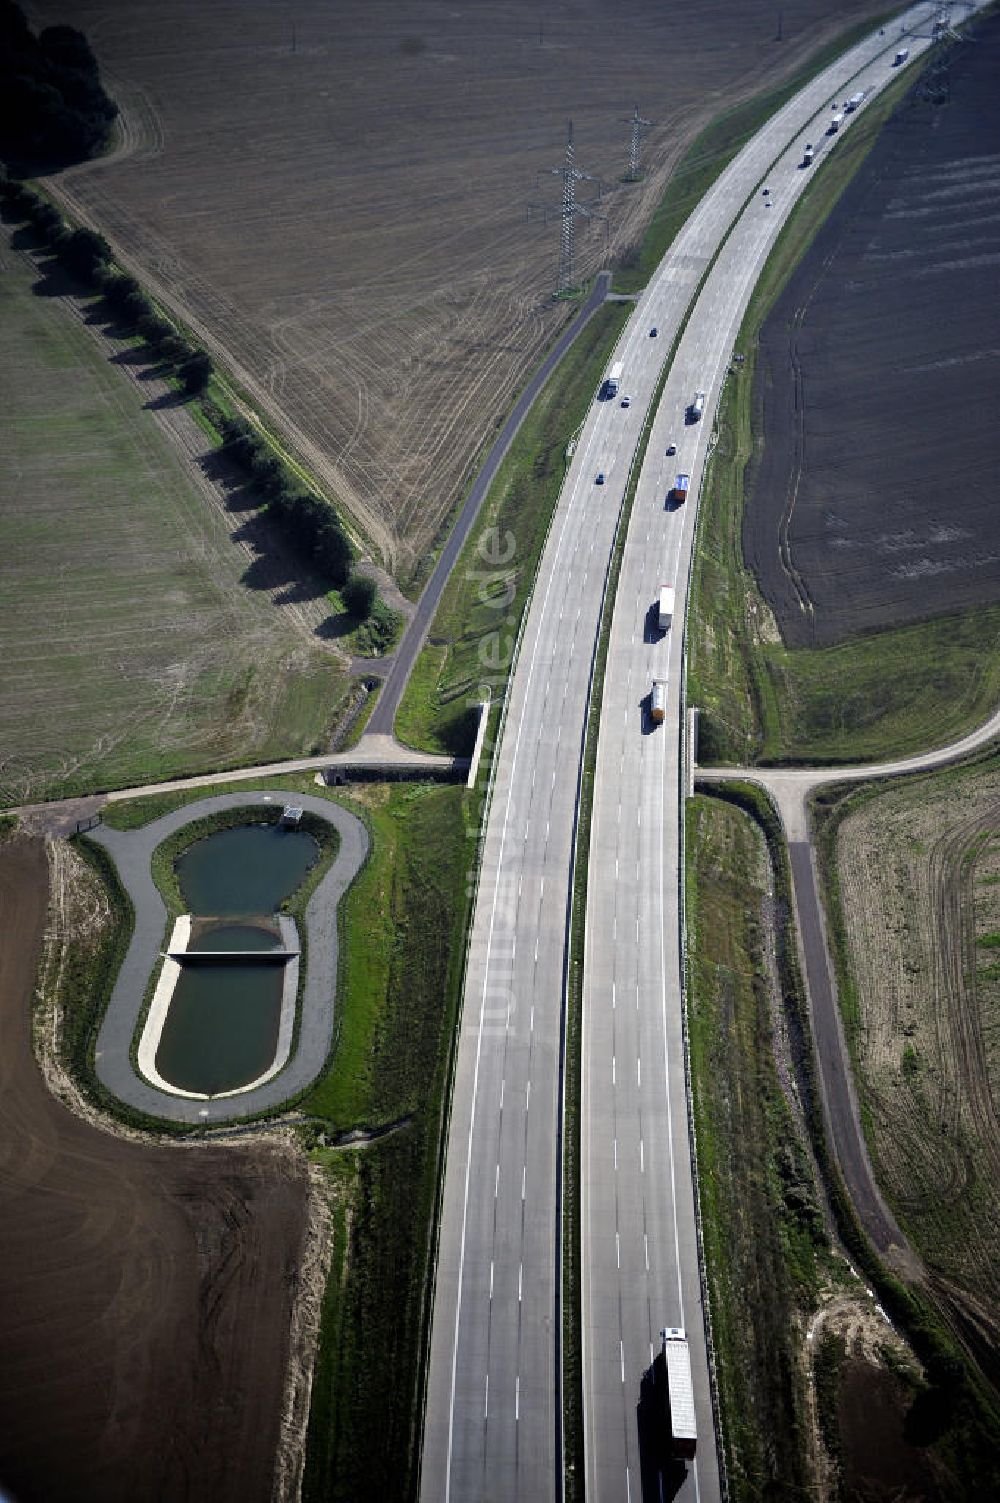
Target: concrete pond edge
(132, 851)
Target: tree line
(310, 524)
(53, 108)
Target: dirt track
(147, 1291)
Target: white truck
(666, 613)
(901, 57)
(836, 121)
(658, 701)
(614, 379)
(682, 1436)
(854, 101)
(697, 406)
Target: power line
(571, 175)
(639, 125)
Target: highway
(639, 1238)
(494, 1400)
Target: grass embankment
(766, 1247)
(709, 155)
(404, 928)
(474, 630)
(865, 699)
(134, 647)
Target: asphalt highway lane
(640, 1251)
(493, 1413)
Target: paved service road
(639, 1238)
(132, 851)
(493, 1415)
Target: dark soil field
(337, 198)
(146, 1291)
(873, 501)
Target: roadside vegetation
(767, 1250)
(375, 1121)
(472, 637)
(709, 155)
(866, 698)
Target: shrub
(87, 254)
(195, 371)
(360, 595)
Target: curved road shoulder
(131, 851)
(790, 789)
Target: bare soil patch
(337, 199)
(918, 867)
(872, 500)
(148, 1290)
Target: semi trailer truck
(901, 57)
(614, 379)
(697, 407)
(836, 121)
(682, 1436)
(680, 490)
(658, 701)
(854, 101)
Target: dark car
(600, 478)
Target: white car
(671, 449)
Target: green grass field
(891, 693)
(132, 650)
(765, 1237)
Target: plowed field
(919, 869)
(336, 197)
(874, 500)
(146, 1293)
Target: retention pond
(222, 1028)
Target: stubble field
(337, 200)
(136, 637)
(919, 875)
(872, 503)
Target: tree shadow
(166, 400)
(335, 627)
(55, 280)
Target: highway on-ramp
(493, 1411)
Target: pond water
(248, 869)
(222, 1024)
(232, 937)
(221, 1029)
